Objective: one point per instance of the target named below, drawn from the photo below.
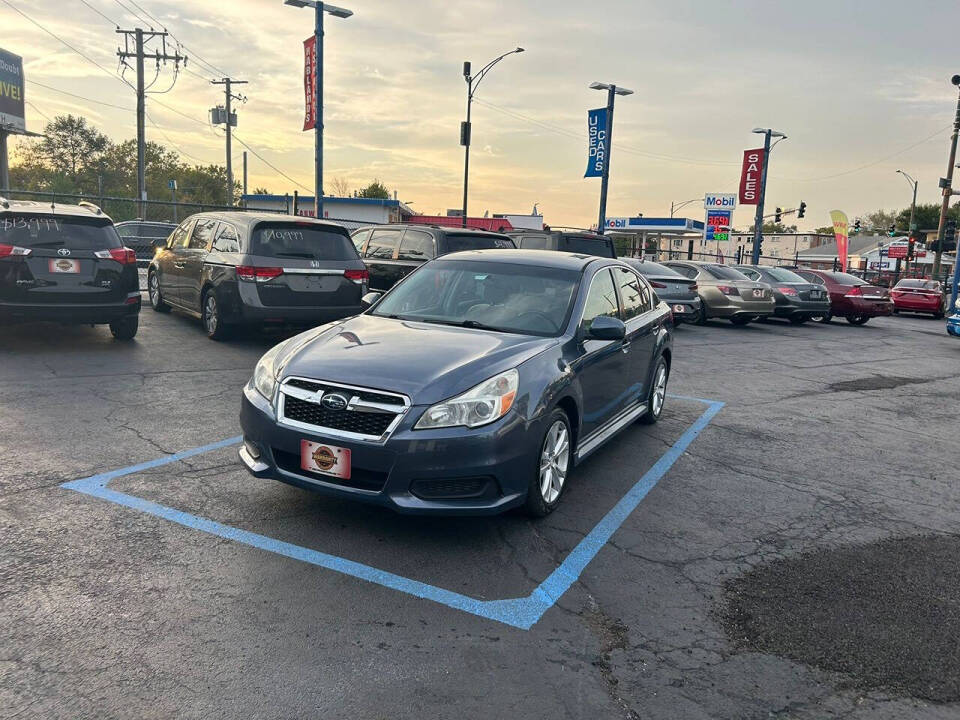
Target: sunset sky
(860, 88)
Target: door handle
(625, 347)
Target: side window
(416, 245)
(359, 238)
(810, 277)
(179, 237)
(382, 244)
(202, 234)
(752, 274)
(227, 239)
(601, 299)
(685, 270)
(633, 293)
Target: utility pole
(244, 172)
(139, 37)
(230, 121)
(758, 220)
(946, 185)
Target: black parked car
(473, 386)
(144, 236)
(678, 291)
(575, 241)
(391, 252)
(232, 268)
(65, 263)
(798, 300)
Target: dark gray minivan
(575, 241)
(241, 268)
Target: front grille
(454, 488)
(360, 479)
(367, 395)
(362, 423)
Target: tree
(376, 189)
(261, 191)
(927, 217)
(880, 220)
(770, 228)
(69, 146)
(340, 187)
(825, 230)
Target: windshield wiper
(473, 324)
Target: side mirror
(606, 328)
(370, 298)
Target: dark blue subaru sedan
(473, 386)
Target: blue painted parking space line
(522, 613)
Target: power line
(179, 149)
(64, 42)
(79, 97)
(271, 165)
(39, 110)
(105, 17)
(131, 12)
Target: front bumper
(953, 325)
(499, 458)
(71, 314)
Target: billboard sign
(720, 201)
(310, 82)
(11, 91)
(897, 251)
(750, 173)
(596, 142)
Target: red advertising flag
(750, 174)
(309, 82)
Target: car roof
(541, 258)
(239, 217)
(441, 228)
(54, 209)
(146, 222)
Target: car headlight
(488, 401)
(265, 374)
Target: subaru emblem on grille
(334, 401)
(63, 251)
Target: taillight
(855, 291)
(123, 255)
(358, 276)
(654, 283)
(251, 273)
(788, 291)
(728, 290)
(13, 250)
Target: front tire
(798, 319)
(740, 319)
(156, 298)
(658, 393)
(554, 462)
(125, 328)
(213, 323)
(858, 319)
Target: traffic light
(801, 210)
(777, 216)
(760, 247)
(911, 246)
(892, 229)
(950, 235)
(856, 226)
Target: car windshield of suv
(301, 240)
(487, 295)
(467, 241)
(55, 231)
(785, 276)
(721, 272)
(653, 269)
(585, 245)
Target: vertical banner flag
(750, 174)
(597, 142)
(840, 226)
(309, 82)
(11, 91)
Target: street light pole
(319, 9)
(913, 215)
(612, 92)
(473, 81)
(946, 185)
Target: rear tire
(125, 328)
(702, 315)
(825, 319)
(658, 393)
(740, 320)
(156, 298)
(554, 462)
(798, 319)
(213, 323)
(858, 319)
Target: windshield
(301, 240)
(782, 275)
(468, 241)
(585, 246)
(653, 269)
(52, 231)
(498, 296)
(847, 279)
(721, 272)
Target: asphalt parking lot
(829, 437)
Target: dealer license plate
(62, 265)
(325, 459)
(758, 293)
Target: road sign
(897, 251)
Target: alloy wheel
(554, 461)
(154, 288)
(659, 389)
(210, 317)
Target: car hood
(426, 362)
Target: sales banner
(840, 227)
(310, 82)
(11, 91)
(750, 173)
(596, 142)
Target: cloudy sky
(861, 88)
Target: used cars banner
(597, 142)
(11, 91)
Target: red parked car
(921, 296)
(850, 297)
